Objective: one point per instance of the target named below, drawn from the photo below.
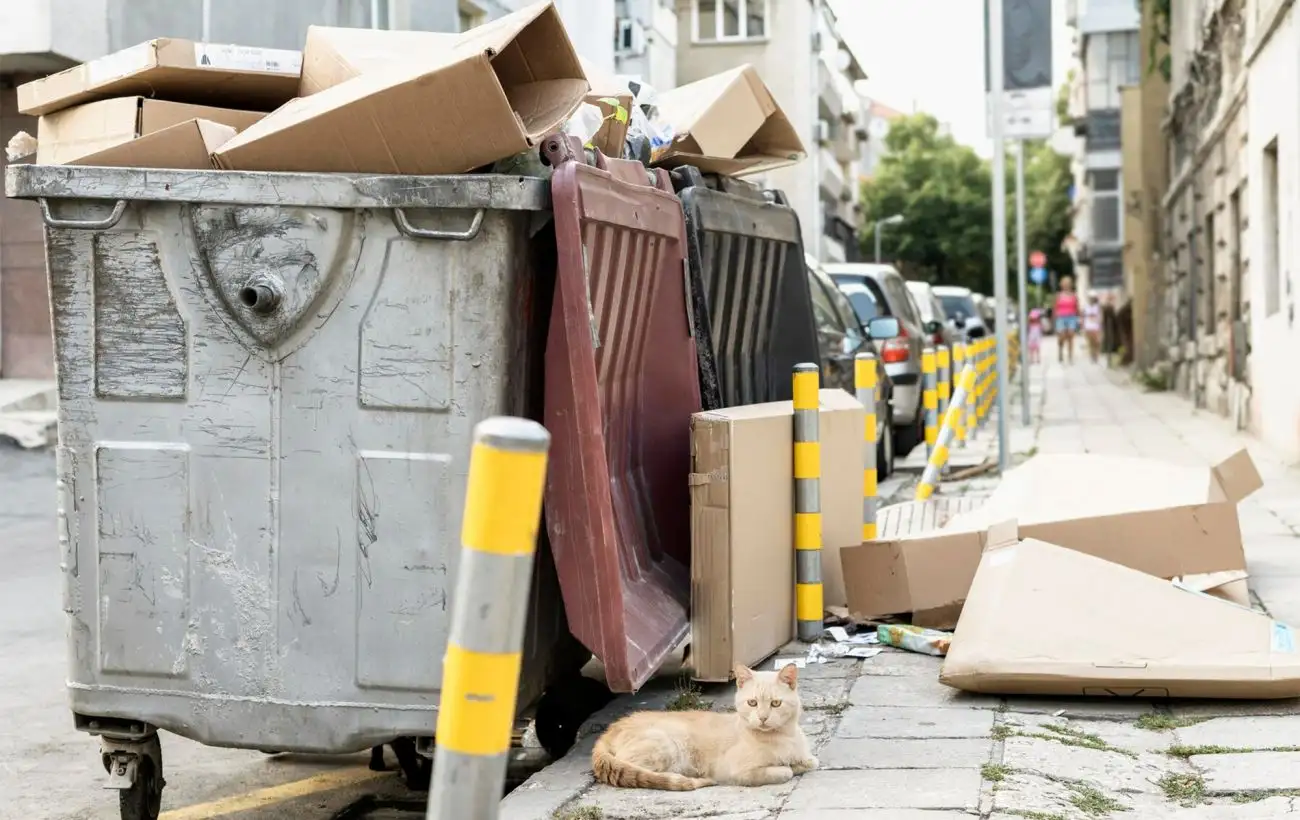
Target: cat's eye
(776, 703)
(753, 702)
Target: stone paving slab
(884, 690)
(1107, 769)
(887, 789)
(1244, 733)
(877, 814)
(1249, 772)
(904, 753)
(908, 722)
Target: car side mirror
(883, 327)
(932, 327)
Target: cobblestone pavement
(895, 744)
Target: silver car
(881, 290)
(963, 312)
(932, 310)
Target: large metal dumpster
(267, 387)
(753, 309)
(621, 385)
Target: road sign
(1037, 275)
(1028, 98)
(1026, 115)
(1037, 259)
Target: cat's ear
(743, 674)
(789, 675)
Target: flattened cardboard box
(259, 79)
(614, 100)
(728, 124)
(463, 102)
(82, 134)
(1044, 620)
(1163, 519)
(742, 524)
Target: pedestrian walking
(1034, 336)
(1066, 317)
(1092, 327)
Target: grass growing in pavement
(1185, 789)
(1064, 735)
(1182, 750)
(1002, 731)
(1255, 797)
(688, 698)
(1157, 722)
(1033, 815)
(579, 813)
(1093, 801)
(995, 772)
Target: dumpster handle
(83, 224)
(404, 225)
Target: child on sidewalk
(1034, 338)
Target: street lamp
(896, 219)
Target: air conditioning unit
(822, 132)
(629, 37)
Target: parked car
(901, 354)
(932, 311)
(963, 314)
(988, 311)
(840, 329)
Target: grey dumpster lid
(494, 191)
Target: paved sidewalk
(895, 744)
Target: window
(1272, 233)
(1113, 60)
(1210, 317)
(1234, 271)
(863, 301)
(828, 323)
(470, 15)
(1105, 207)
(730, 20)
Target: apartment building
(779, 38)
(1107, 57)
(645, 41)
(38, 37)
(879, 118)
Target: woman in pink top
(1065, 317)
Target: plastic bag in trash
(646, 133)
(914, 638)
(585, 122)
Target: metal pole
(997, 66)
(807, 504)
(866, 383)
(1021, 252)
(207, 20)
(816, 157)
(877, 234)
(480, 678)
(374, 13)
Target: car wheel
(885, 450)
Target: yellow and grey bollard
(943, 365)
(930, 397)
(480, 677)
(958, 363)
(951, 423)
(972, 398)
(807, 503)
(866, 382)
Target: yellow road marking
(325, 781)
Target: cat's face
(767, 701)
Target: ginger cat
(761, 744)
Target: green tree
(942, 189)
(1047, 206)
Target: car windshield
(862, 299)
(954, 304)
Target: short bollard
(930, 397)
(943, 364)
(951, 422)
(959, 362)
(866, 383)
(807, 503)
(480, 678)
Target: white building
(645, 41)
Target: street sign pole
(996, 66)
(1021, 251)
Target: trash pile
(367, 101)
(1088, 575)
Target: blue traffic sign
(1038, 275)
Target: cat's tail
(615, 772)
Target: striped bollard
(865, 382)
(951, 423)
(807, 504)
(480, 678)
(943, 364)
(930, 397)
(959, 362)
(986, 361)
(972, 398)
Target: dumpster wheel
(563, 708)
(135, 771)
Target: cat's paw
(802, 766)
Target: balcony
(829, 96)
(43, 36)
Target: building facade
(645, 41)
(1107, 58)
(779, 37)
(1207, 259)
(1272, 57)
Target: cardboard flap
(1236, 477)
(1003, 534)
(1043, 619)
(186, 146)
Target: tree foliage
(943, 190)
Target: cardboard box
(1163, 519)
(75, 135)
(742, 524)
(260, 79)
(461, 103)
(614, 99)
(184, 147)
(1044, 620)
(727, 124)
